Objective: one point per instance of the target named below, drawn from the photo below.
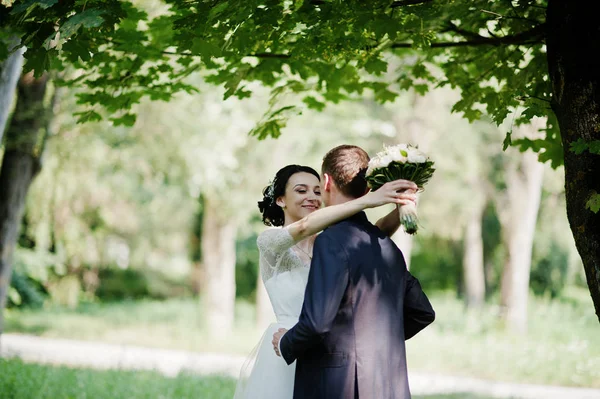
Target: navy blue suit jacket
(360, 306)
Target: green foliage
(116, 284)
(420, 173)
(175, 323)
(123, 60)
(20, 380)
(32, 271)
(130, 284)
(580, 146)
(246, 267)
(493, 52)
(24, 381)
(549, 275)
(459, 342)
(472, 342)
(28, 293)
(439, 269)
(593, 203)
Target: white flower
(416, 156)
(375, 162)
(397, 153)
(385, 160)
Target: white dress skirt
(265, 375)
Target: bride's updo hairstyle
(272, 214)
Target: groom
(360, 305)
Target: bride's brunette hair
(272, 214)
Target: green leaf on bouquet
(419, 173)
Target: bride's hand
(401, 192)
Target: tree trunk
(10, 70)
(473, 265)
(576, 104)
(21, 163)
(518, 215)
(405, 243)
(218, 260)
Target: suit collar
(360, 217)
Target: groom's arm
(327, 282)
(418, 312)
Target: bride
(293, 201)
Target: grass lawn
(560, 348)
(26, 381)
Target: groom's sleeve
(418, 312)
(327, 282)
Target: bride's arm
(322, 218)
(390, 223)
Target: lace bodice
(284, 273)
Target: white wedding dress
(284, 272)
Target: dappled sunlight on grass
(560, 348)
(20, 380)
(173, 324)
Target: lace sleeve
(272, 246)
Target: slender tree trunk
(518, 216)
(218, 260)
(576, 104)
(405, 243)
(473, 264)
(10, 70)
(21, 163)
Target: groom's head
(343, 173)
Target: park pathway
(170, 363)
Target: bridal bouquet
(401, 161)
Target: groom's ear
(327, 181)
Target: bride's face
(302, 196)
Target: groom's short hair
(347, 164)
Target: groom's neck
(339, 198)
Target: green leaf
(216, 10)
(507, 141)
(75, 50)
(593, 202)
(90, 18)
(233, 83)
(205, 48)
(87, 116)
(579, 146)
(39, 60)
(376, 66)
(267, 129)
(125, 120)
(313, 103)
(595, 147)
(276, 121)
(30, 5)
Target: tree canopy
(328, 50)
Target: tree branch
(532, 36)
(270, 55)
(257, 55)
(402, 3)
(395, 4)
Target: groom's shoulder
(344, 228)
